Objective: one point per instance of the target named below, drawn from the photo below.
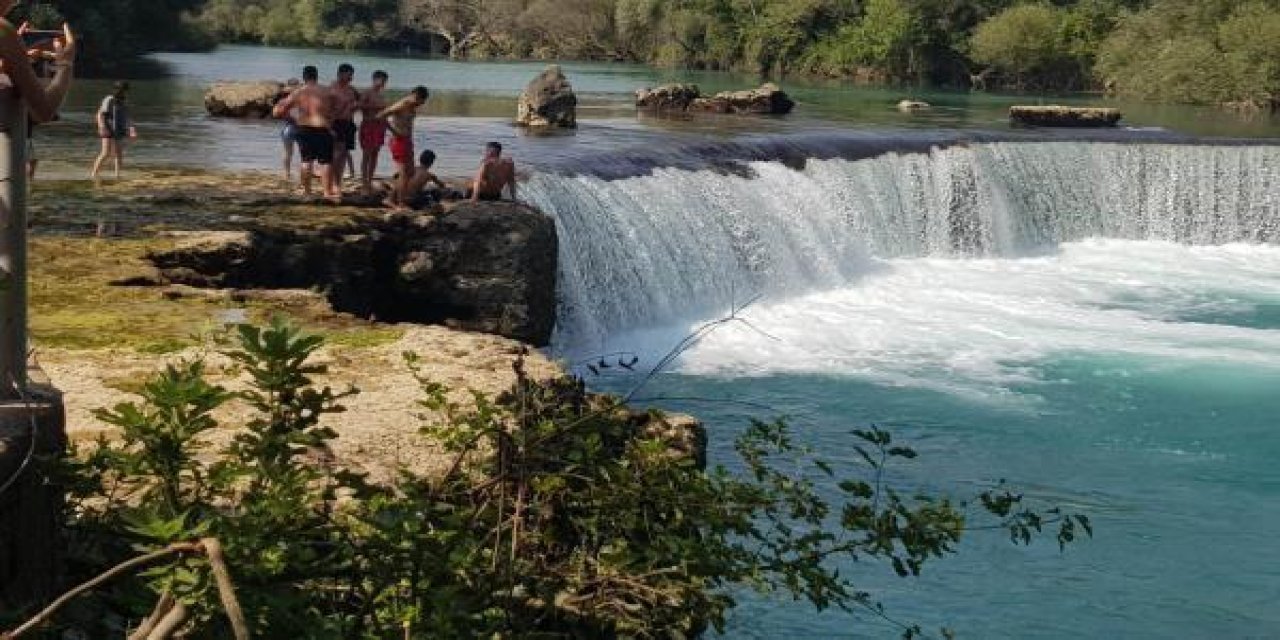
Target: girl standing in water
(113, 127)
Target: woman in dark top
(113, 127)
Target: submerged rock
(488, 267)
(769, 99)
(668, 96)
(1058, 116)
(244, 99)
(548, 101)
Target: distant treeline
(1202, 51)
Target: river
(1095, 318)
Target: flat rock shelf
(486, 267)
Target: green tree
(1207, 51)
(1250, 39)
(886, 38)
(1027, 42)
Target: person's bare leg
(288, 162)
(329, 177)
(370, 166)
(117, 156)
(402, 186)
(341, 158)
(306, 170)
(366, 171)
(102, 157)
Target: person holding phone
(114, 127)
(43, 99)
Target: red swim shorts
(402, 149)
(373, 134)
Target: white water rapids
(951, 268)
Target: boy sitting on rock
(419, 196)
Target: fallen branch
(226, 589)
(163, 605)
(122, 568)
(169, 613)
(171, 622)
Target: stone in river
(548, 101)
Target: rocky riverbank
(128, 276)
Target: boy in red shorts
(399, 117)
(373, 130)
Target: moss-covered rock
(1058, 116)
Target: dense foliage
(1203, 51)
(1208, 51)
(561, 513)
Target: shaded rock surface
(548, 101)
(487, 267)
(668, 96)
(1058, 116)
(244, 99)
(769, 99)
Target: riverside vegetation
(561, 515)
(1194, 51)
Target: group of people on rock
(320, 122)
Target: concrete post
(32, 417)
(32, 435)
(13, 245)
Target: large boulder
(668, 96)
(769, 99)
(548, 101)
(1057, 116)
(488, 267)
(244, 99)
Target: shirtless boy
(345, 102)
(289, 135)
(399, 117)
(373, 130)
(315, 141)
(495, 174)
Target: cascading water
(677, 244)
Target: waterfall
(677, 242)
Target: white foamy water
(681, 245)
(980, 326)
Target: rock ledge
(485, 267)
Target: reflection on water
(473, 102)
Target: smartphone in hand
(41, 39)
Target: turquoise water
(1174, 465)
(1097, 322)
(1154, 416)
